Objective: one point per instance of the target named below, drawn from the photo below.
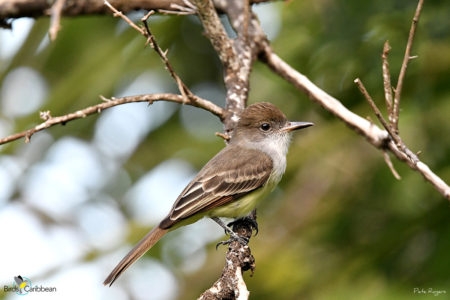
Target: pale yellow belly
(242, 206)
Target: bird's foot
(233, 235)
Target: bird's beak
(290, 126)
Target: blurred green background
(339, 226)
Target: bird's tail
(143, 246)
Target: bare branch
(406, 59)
(163, 55)
(37, 8)
(216, 33)
(231, 284)
(184, 90)
(440, 185)
(55, 21)
(387, 80)
(237, 55)
(237, 86)
(108, 103)
(119, 14)
(376, 136)
(369, 99)
(388, 161)
(394, 136)
(371, 132)
(189, 9)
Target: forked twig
(145, 31)
(407, 57)
(377, 111)
(187, 94)
(388, 128)
(119, 14)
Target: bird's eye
(265, 126)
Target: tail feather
(143, 246)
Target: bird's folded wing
(226, 178)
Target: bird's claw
(233, 237)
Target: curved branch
(375, 135)
(108, 103)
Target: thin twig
(387, 80)
(187, 94)
(394, 136)
(108, 103)
(388, 128)
(175, 12)
(119, 14)
(187, 9)
(55, 20)
(406, 59)
(388, 161)
(377, 111)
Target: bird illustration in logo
(20, 282)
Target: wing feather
(232, 173)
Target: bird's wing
(231, 174)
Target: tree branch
(387, 80)
(378, 114)
(377, 137)
(185, 92)
(216, 33)
(108, 103)
(407, 57)
(36, 8)
(237, 55)
(237, 94)
(373, 133)
(55, 22)
(231, 284)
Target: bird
(233, 182)
(20, 283)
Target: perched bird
(233, 181)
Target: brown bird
(233, 182)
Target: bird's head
(263, 120)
